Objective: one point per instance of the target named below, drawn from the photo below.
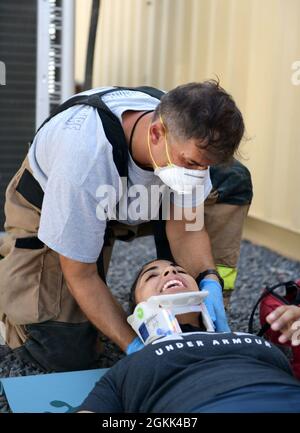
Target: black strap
(133, 129)
(29, 187)
(111, 124)
(95, 100)
(30, 243)
(151, 91)
(289, 285)
(210, 272)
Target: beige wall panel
(82, 20)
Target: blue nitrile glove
(134, 346)
(214, 304)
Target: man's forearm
(193, 252)
(190, 249)
(101, 308)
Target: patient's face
(163, 277)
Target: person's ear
(156, 132)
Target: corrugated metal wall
(249, 44)
(17, 97)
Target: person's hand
(134, 346)
(284, 319)
(214, 304)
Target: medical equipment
(155, 317)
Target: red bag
(268, 302)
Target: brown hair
(204, 111)
(131, 299)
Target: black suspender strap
(29, 187)
(111, 124)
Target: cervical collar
(155, 318)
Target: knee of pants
(58, 346)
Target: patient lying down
(195, 370)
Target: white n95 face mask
(180, 179)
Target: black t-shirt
(181, 373)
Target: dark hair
(204, 111)
(131, 298)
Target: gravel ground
(258, 266)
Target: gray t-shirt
(72, 160)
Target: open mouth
(172, 284)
